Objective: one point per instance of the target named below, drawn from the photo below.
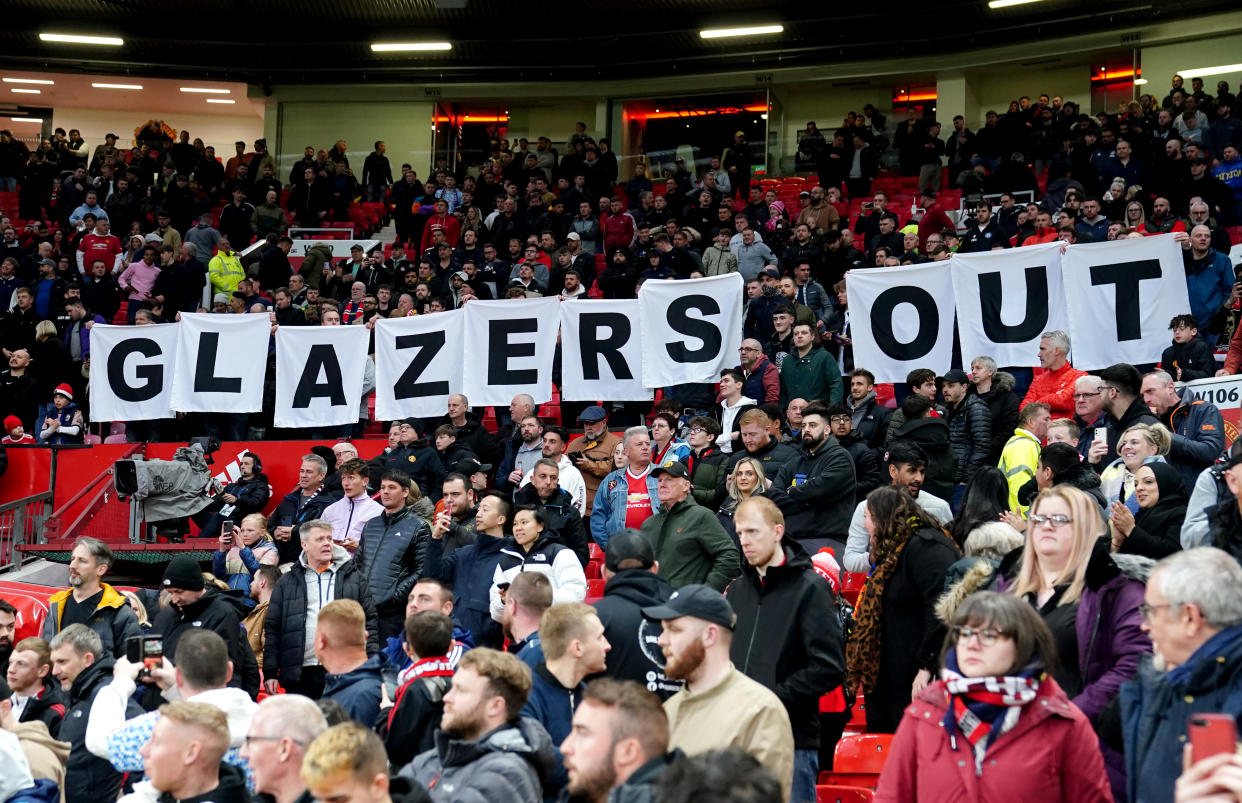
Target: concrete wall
(405, 127)
(1162, 61)
(218, 130)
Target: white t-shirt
(858, 546)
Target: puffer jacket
(562, 518)
(88, 778)
(970, 435)
(547, 556)
(1003, 406)
(285, 626)
(391, 557)
(1198, 436)
(508, 765)
(1155, 707)
(289, 514)
(1049, 755)
(112, 619)
(48, 706)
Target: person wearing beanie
(194, 605)
(64, 422)
(15, 433)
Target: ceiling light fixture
(1140, 81)
(1007, 3)
(1199, 72)
(27, 91)
(26, 119)
(220, 100)
(29, 81)
(117, 86)
(396, 47)
(74, 39)
(750, 30)
(203, 90)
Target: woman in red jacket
(997, 727)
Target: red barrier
(29, 469)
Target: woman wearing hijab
(892, 651)
(1155, 531)
(996, 721)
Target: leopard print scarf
(862, 650)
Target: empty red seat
(595, 590)
(834, 793)
(862, 753)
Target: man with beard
(592, 453)
(794, 647)
(523, 455)
(619, 741)
(91, 602)
(907, 465)
(818, 485)
(555, 439)
(485, 749)
(416, 458)
(544, 493)
(455, 524)
(719, 705)
(8, 628)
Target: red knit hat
(64, 390)
(11, 423)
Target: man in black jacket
(81, 666)
(471, 434)
(37, 696)
(786, 636)
(869, 418)
(817, 486)
(323, 572)
(417, 458)
(867, 470)
(996, 390)
(759, 443)
(631, 584)
(985, 234)
(245, 495)
(544, 492)
(193, 605)
(970, 428)
(390, 553)
(1123, 401)
(305, 503)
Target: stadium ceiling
(269, 42)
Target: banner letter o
(882, 322)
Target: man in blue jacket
(1209, 276)
(1193, 613)
(1197, 425)
(470, 569)
(628, 496)
(353, 677)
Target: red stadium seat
(843, 794)
(595, 590)
(852, 587)
(864, 753)
(592, 571)
(595, 552)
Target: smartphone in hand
(1212, 734)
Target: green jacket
(318, 257)
(813, 377)
(705, 471)
(691, 546)
(268, 219)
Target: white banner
(319, 375)
(132, 371)
(902, 319)
(1018, 297)
(691, 328)
(508, 349)
(223, 360)
(1121, 296)
(601, 352)
(418, 364)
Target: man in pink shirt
(138, 279)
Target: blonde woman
(241, 551)
(139, 610)
(747, 480)
(1088, 597)
(1141, 443)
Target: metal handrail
(16, 518)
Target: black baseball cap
(673, 470)
(697, 600)
(629, 547)
(956, 375)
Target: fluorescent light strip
(29, 81)
(220, 100)
(751, 30)
(26, 119)
(27, 91)
(395, 47)
(74, 39)
(1199, 72)
(117, 86)
(202, 90)
(1007, 3)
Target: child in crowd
(17, 434)
(64, 422)
(1190, 357)
(1064, 430)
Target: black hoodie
(563, 518)
(48, 706)
(635, 653)
(787, 637)
(933, 435)
(232, 789)
(88, 778)
(221, 613)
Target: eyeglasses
(987, 636)
(1055, 520)
(1145, 610)
(1082, 396)
(839, 419)
(748, 348)
(696, 430)
(1107, 387)
(250, 739)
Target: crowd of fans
(418, 623)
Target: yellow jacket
(226, 272)
(1018, 460)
